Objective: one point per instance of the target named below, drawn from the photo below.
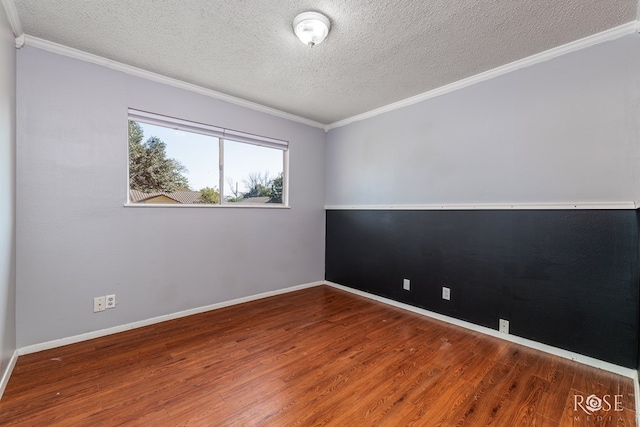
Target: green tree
(276, 189)
(149, 168)
(209, 195)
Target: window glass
(172, 166)
(252, 174)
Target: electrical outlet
(446, 293)
(504, 326)
(111, 301)
(98, 304)
(406, 284)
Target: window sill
(205, 205)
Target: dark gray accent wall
(566, 278)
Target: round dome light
(311, 27)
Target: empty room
(341, 213)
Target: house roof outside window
(182, 196)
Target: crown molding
(14, 21)
(159, 78)
(604, 36)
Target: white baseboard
(7, 372)
(586, 360)
(627, 372)
(114, 330)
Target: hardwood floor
(319, 356)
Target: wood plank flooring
(318, 356)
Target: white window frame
(222, 134)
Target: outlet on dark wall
(566, 278)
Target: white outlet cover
(406, 284)
(446, 293)
(504, 326)
(98, 304)
(110, 301)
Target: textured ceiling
(377, 52)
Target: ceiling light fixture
(311, 27)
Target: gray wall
(7, 193)
(565, 130)
(77, 241)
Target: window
(173, 161)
